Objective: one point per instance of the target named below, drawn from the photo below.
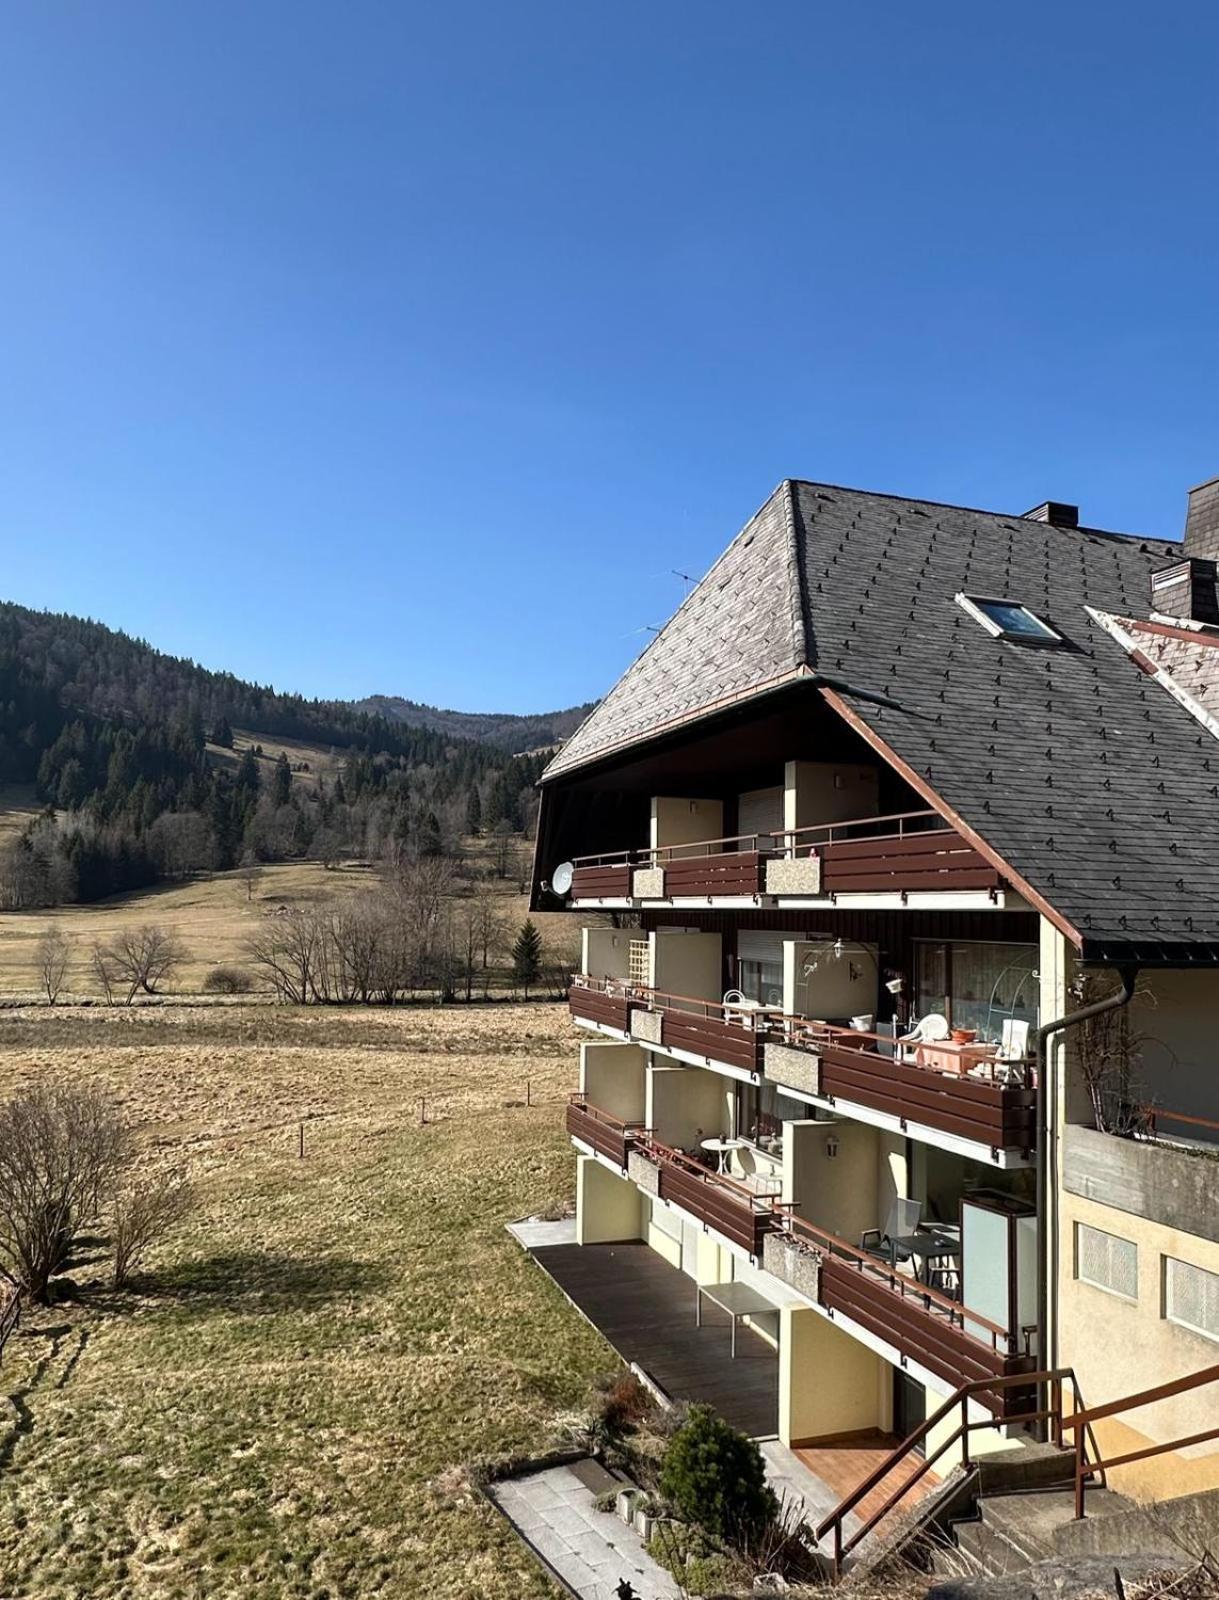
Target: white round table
(721, 1149)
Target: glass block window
(1106, 1261)
(1191, 1296)
(638, 964)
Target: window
(1106, 1261)
(1191, 1297)
(762, 1109)
(979, 986)
(1008, 619)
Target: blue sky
(402, 348)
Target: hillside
(134, 765)
(516, 733)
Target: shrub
(715, 1477)
(625, 1403)
(144, 1210)
(228, 980)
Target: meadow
(289, 1400)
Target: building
(897, 767)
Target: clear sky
(406, 348)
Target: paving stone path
(555, 1512)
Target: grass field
(285, 1405)
(212, 916)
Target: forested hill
(546, 728)
(144, 765)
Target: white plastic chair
(1015, 1041)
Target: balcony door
(759, 961)
(759, 811)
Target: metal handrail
(1154, 1113)
(829, 829)
(613, 858)
(583, 1103)
(729, 1014)
(657, 854)
(829, 1244)
(1080, 1423)
(1055, 1378)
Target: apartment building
(902, 845)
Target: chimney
(1202, 521)
(1055, 511)
(1186, 591)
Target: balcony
(726, 1035)
(965, 1090)
(730, 1208)
(909, 852)
(899, 855)
(923, 1324)
(608, 1135)
(600, 1001)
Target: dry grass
(284, 1406)
(18, 808)
(212, 916)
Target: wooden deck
(645, 1308)
(845, 1461)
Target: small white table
(722, 1148)
(737, 1299)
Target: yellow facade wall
(829, 1383)
(608, 1208)
(683, 821)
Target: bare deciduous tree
(251, 873)
(143, 958)
(287, 949)
(105, 971)
(53, 957)
(145, 1209)
(61, 1149)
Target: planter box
(648, 883)
(645, 1025)
(643, 1173)
(792, 877)
(799, 1268)
(797, 1069)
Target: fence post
(300, 1150)
(528, 1093)
(422, 1111)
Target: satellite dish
(560, 878)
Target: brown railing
(1081, 1422)
(600, 1000)
(906, 851)
(603, 877)
(608, 1135)
(1052, 1381)
(971, 1101)
(923, 1323)
(706, 1028)
(700, 868)
(731, 1208)
(1154, 1115)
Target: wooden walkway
(846, 1460)
(645, 1308)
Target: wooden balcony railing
(600, 1130)
(731, 1208)
(600, 1000)
(604, 877)
(907, 851)
(924, 1324)
(706, 1028)
(958, 1090)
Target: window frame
(1167, 1261)
(972, 605)
(1105, 1288)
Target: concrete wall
(681, 1101)
(605, 952)
(614, 1077)
(838, 1193)
(828, 791)
(829, 1383)
(687, 964)
(842, 988)
(663, 1232)
(1176, 1187)
(608, 1208)
(684, 821)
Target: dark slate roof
(1091, 782)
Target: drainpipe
(1047, 1131)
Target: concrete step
(1024, 1467)
(1014, 1531)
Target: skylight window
(1008, 619)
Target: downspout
(1047, 1174)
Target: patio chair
(931, 1029)
(902, 1220)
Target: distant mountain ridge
(506, 729)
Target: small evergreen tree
(715, 1477)
(474, 811)
(527, 956)
(222, 734)
(281, 781)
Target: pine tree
(527, 956)
(222, 734)
(281, 781)
(474, 811)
